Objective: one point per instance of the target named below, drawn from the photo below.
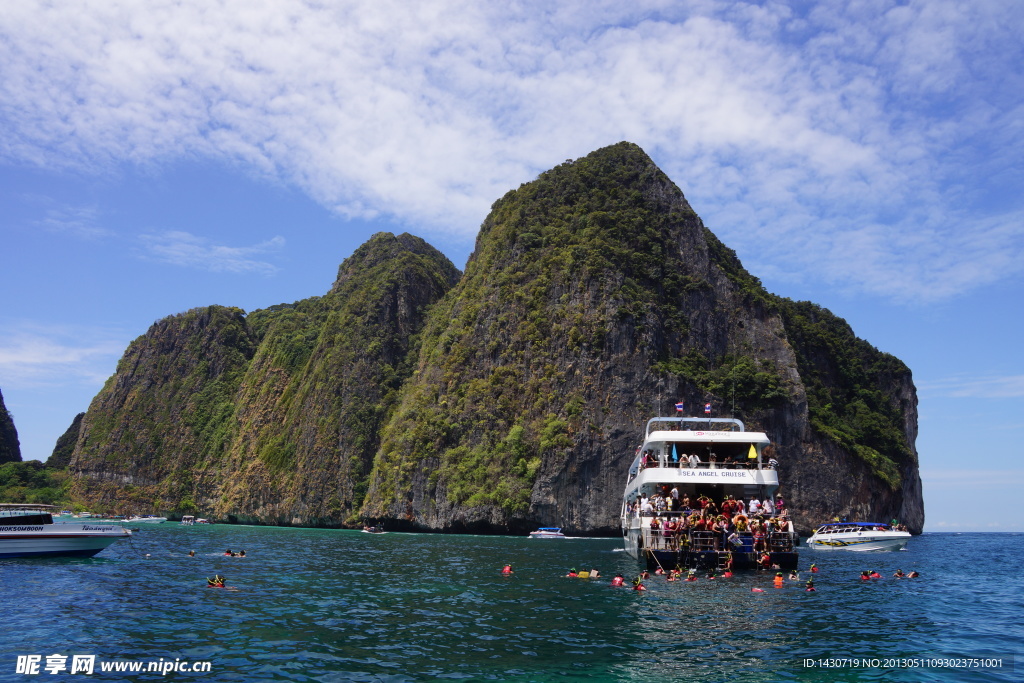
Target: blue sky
(156, 156)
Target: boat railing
(724, 465)
(710, 541)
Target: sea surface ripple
(330, 605)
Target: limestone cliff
(507, 397)
(65, 446)
(271, 417)
(595, 299)
(10, 446)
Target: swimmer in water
(793, 576)
(594, 574)
(228, 552)
(913, 575)
(572, 573)
(810, 586)
(618, 580)
(216, 582)
(241, 553)
(874, 574)
(191, 553)
(779, 581)
(814, 568)
(899, 574)
(638, 584)
(507, 569)
(865, 575)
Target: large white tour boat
(686, 499)
(858, 536)
(29, 531)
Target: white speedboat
(689, 471)
(858, 536)
(547, 532)
(145, 519)
(29, 531)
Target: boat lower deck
(713, 560)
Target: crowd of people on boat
(679, 523)
(671, 500)
(679, 460)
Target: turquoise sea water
(326, 605)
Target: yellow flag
(752, 453)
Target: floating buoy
(757, 590)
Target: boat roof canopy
(853, 524)
(722, 424)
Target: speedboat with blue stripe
(858, 536)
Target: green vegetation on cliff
(844, 378)
(495, 399)
(32, 482)
(215, 410)
(65, 447)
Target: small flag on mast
(707, 408)
(679, 407)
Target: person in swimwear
(779, 581)
(241, 553)
(913, 575)
(899, 574)
(216, 582)
(814, 568)
(191, 553)
(507, 569)
(618, 580)
(874, 574)
(572, 573)
(810, 586)
(228, 552)
(793, 576)
(865, 575)
(638, 585)
(594, 574)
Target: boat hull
(57, 540)
(860, 543)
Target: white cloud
(33, 355)
(1010, 386)
(181, 248)
(76, 221)
(853, 144)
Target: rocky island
(509, 396)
